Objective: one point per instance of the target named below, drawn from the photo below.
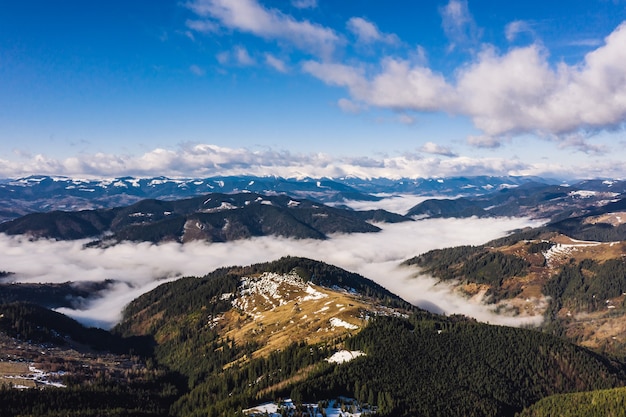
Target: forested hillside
(213, 217)
(601, 403)
(241, 336)
(577, 286)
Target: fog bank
(140, 267)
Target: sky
(199, 88)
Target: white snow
(582, 193)
(335, 322)
(321, 310)
(274, 289)
(293, 203)
(344, 356)
(224, 206)
(313, 294)
(559, 249)
(40, 378)
(333, 410)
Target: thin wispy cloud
(138, 268)
(237, 56)
(459, 25)
(435, 149)
(367, 32)
(517, 27)
(304, 4)
(276, 63)
(196, 70)
(251, 17)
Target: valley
(283, 325)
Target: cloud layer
(141, 267)
(205, 160)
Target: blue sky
(313, 87)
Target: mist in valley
(140, 267)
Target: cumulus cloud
(368, 32)
(138, 268)
(206, 160)
(251, 17)
(435, 149)
(504, 94)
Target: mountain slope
(459, 368)
(531, 199)
(243, 335)
(577, 286)
(598, 403)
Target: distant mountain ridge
(532, 199)
(46, 193)
(213, 217)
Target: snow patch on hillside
(343, 407)
(335, 322)
(344, 356)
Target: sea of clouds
(140, 267)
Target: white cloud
(458, 24)
(405, 119)
(242, 56)
(202, 26)
(435, 149)
(141, 267)
(196, 70)
(251, 17)
(349, 106)
(504, 94)
(276, 63)
(204, 160)
(238, 56)
(581, 143)
(304, 4)
(367, 32)
(513, 29)
(483, 141)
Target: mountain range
(532, 199)
(44, 193)
(241, 336)
(214, 217)
(225, 343)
